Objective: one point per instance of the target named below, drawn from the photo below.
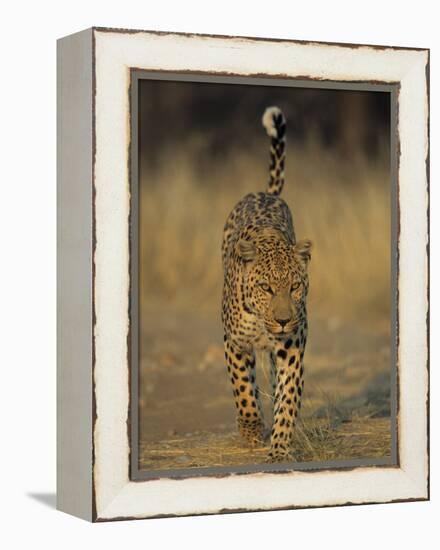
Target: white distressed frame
(115, 52)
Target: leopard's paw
(252, 432)
(278, 455)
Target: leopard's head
(275, 284)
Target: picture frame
(97, 467)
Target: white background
(27, 218)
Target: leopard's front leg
(288, 362)
(241, 369)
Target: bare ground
(187, 413)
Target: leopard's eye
(265, 287)
(294, 286)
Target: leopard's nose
(283, 322)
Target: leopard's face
(275, 285)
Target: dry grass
(343, 205)
(315, 441)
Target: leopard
(264, 311)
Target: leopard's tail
(275, 124)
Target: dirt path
(187, 414)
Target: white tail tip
(268, 122)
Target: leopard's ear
(302, 252)
(246, 250)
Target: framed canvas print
(242, 274)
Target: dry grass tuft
(315, 441)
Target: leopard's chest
(263, 341)
(250, 332)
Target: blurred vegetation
(203, 148)
(224, 117)
(182, 220)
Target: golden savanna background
(201, 149)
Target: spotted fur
(264, 303)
